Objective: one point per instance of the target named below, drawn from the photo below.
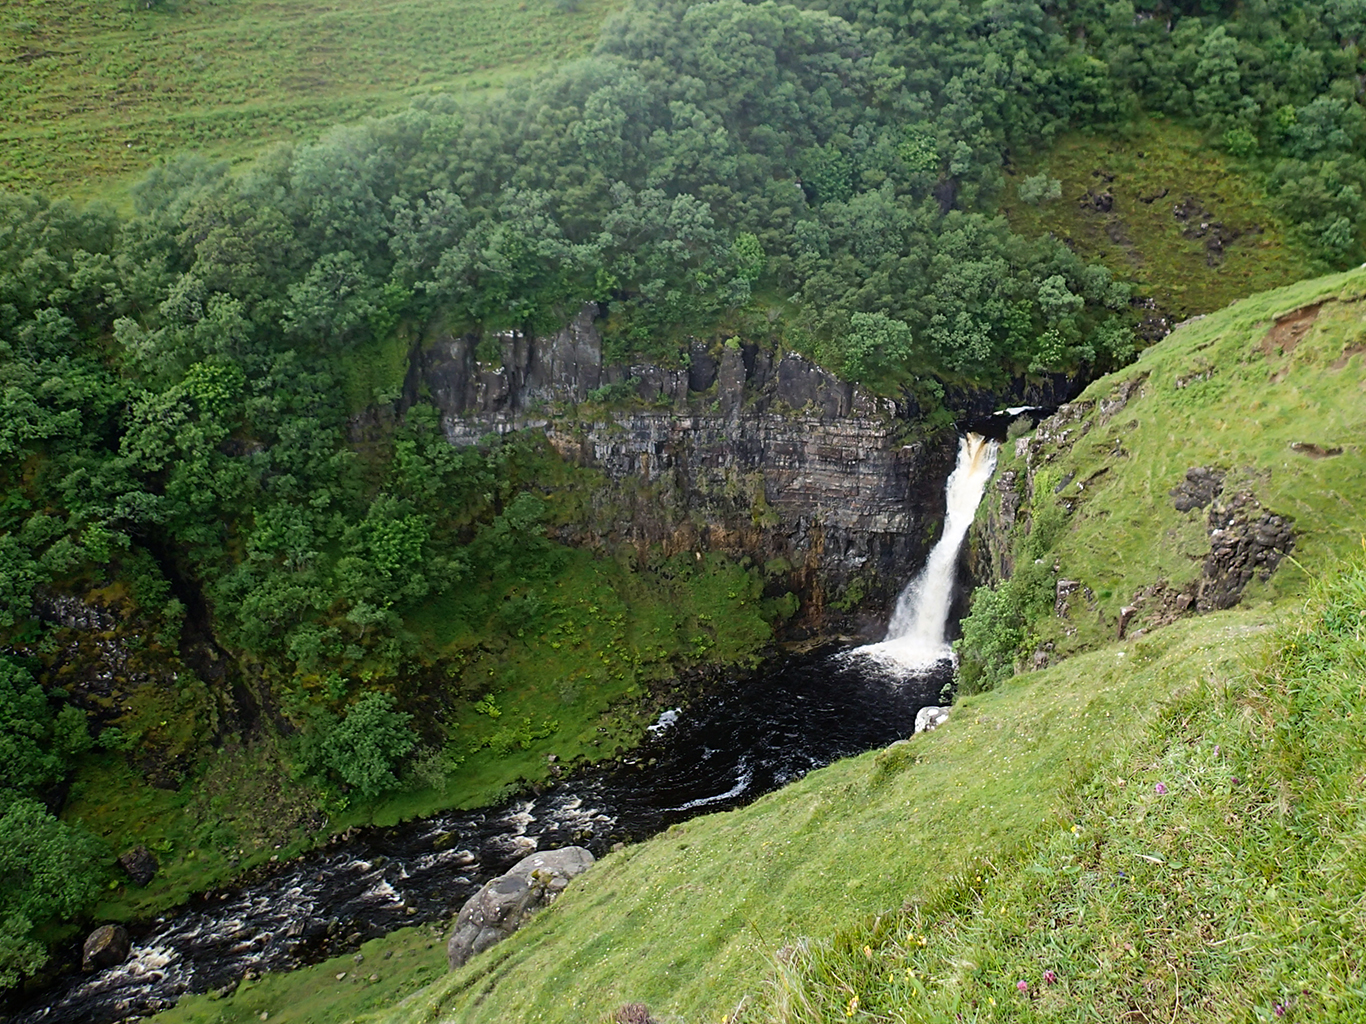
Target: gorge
(745, 450)
(758, 732)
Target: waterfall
(915, 636)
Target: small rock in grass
(139, 864)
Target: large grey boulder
(504, 904)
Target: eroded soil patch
(1289, 330)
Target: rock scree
(506, 903)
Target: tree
(28, 759)
(366, 745)
(51, 870)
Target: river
(756, 733)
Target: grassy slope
(332, 992)
(96, 90)
(688, 922)
(1217, 394)
(1016, 810)
(573, 680)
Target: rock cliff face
(741, 451)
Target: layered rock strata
(742, 451)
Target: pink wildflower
(1049, 977)
(1022, 985)
(1160, 789)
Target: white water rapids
(915, 636)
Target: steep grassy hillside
(690, 922)
(591, 645)
(97, 90)
(1267, 398)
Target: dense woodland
(176, 383)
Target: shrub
(363, 748)
(1040, 188)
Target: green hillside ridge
(926, 880)
(96, 92)
(227, 494)
(1258, 392)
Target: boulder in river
(140, 865)
(504, 904)
(106, 946)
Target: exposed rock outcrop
(504, 904)
(742, 451)
(1200, 487)
(1247, 541)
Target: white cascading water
(915, 636)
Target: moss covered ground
(1192, 227)
(96, 91)
(1160, 828)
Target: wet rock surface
(745, 451)
(106, 946)
(930, 719)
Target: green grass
(926, 880)
(1140, 239)
(95, 91)
(1212, 396)
(690, 922)
(513, 671)
(1213, 873)
(572, 671)
(392, 967)
(239, 812)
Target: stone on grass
(140, 865)
(929, 719)
(504, 904)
